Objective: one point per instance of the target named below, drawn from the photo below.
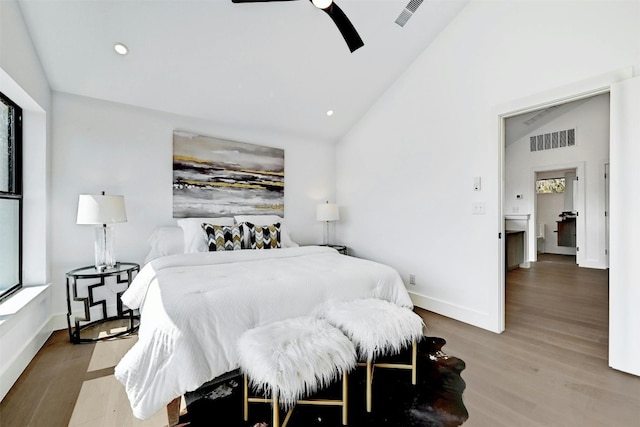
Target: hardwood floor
(549, 368)
(72, 385)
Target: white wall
(126, 150)
(405, 172)
(25, 325)
(23, 80)
(591, 121)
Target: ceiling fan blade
(345, 26)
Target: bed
(194, 306)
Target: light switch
(477, 183)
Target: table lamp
(327, 212)
(102, 210)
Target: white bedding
(194, 307)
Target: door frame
(597, 86)
(580, 206)
(606, 211)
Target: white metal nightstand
(121, 273)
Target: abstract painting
(214, 177)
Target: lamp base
(104, 247)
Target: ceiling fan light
(322, 4)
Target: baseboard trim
(58, 322)
(592, 263)
(22, 360)
(25, 333)
(463, 314)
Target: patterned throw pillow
(264, 236)
(223, 237)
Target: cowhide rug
(436, 401)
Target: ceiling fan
(339, 18)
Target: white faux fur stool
(290, 359)
(378, 328)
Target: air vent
(408, 12)
(549, 141)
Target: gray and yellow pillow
(263, 236)
(223, 237)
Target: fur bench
(377, 328)
(289, 360)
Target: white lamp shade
(327, 212)
(101, 209)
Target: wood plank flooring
(549, 368)
(73, 385)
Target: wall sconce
(102, 210)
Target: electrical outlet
(479, 208)
(412, 279)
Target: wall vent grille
(549, 141)
(408, 12)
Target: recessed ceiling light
(120, 49)
(330, 113)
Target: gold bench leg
(273, 400)
(276, 405)
(369, 381)
(345, 399)
(414, 363)
(276, 410)
(246, 398)
(413, 366)
(286, 419)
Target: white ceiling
(272, 67)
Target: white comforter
(195, 306)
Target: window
(10, 197)
(550, 185)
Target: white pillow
(195, 239)
(285, 239)
(165, 241)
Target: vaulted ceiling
(274, 67)
(517, 127)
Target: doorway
(571, 141)
(534, 149)
(556, 212)
(624, 90)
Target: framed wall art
(214, 177)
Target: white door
(624, 238)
